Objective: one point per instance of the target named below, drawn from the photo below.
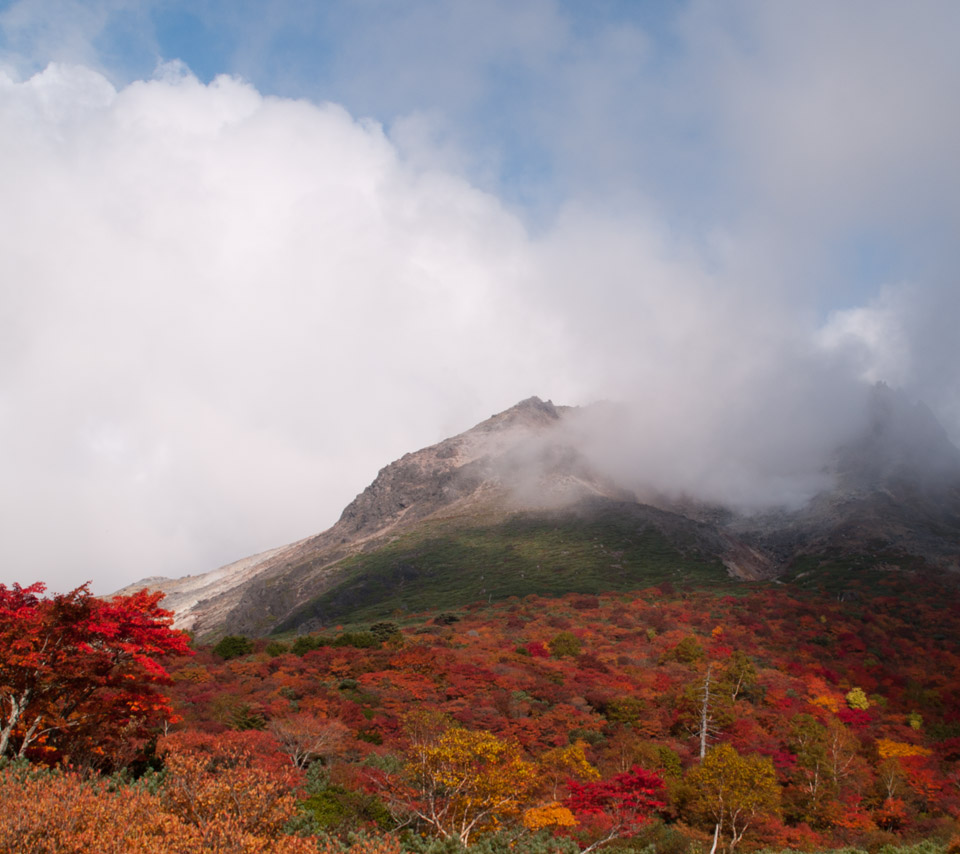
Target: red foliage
(857, 718)
(537, 649)
(79, 675)
(625, 802)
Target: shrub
(233, 646)
(565, 644)
(857, 700)
(275, 648)
(307, 643)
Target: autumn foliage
(80, 676)
(823, 722)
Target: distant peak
(903, 439)
(534, 403)
(532, 412)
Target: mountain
(513, 506)
(895, 499)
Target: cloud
(728, 394)
(223, 311)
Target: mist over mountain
(235, 283)
(531, 498)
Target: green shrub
(275, 648)
(623, 710)
(358, 640)
(245, 716)
(686, 652)
(565, 645)
(307, 643)
(384, 632)
(233, 646)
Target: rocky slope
(500, 465)
(436, 518)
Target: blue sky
(253, 251)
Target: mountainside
(512, 507)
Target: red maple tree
(615, 807)
(79, 675)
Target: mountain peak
(903, 441)
(532, 412)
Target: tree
(740, 675)
(730, 791)
(616, 807)
(305, 738)
(79, 675)
(561, 763)
(462, 782)
(704, 711)
(857, 699)
(707, 726)
(814, 785)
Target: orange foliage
(889, 749)
(68, 814)
(223, 785)
(548, 815)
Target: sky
(251, 252)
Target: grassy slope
(439, 568)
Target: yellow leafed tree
(463, 782)
(729, 791)
(563, 763)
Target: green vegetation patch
(445, 568)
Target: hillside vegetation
(443, 566)
(770, 717)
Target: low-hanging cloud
(223, 312)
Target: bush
(307, 643)
(334, 809)
(686, 652)
(275, 648)
(233, 646)
(384, 632)
(857, 700)
(623, 710)
(358, 640)
(565, 644)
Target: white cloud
(223, 312)
(872, 338)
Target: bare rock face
(897, 490)
(458, 472)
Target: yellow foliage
(728, 791)
(548, 815)
(857, 699)
(489, 767)
(466, 781)
(889, 749)
(561, 763)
